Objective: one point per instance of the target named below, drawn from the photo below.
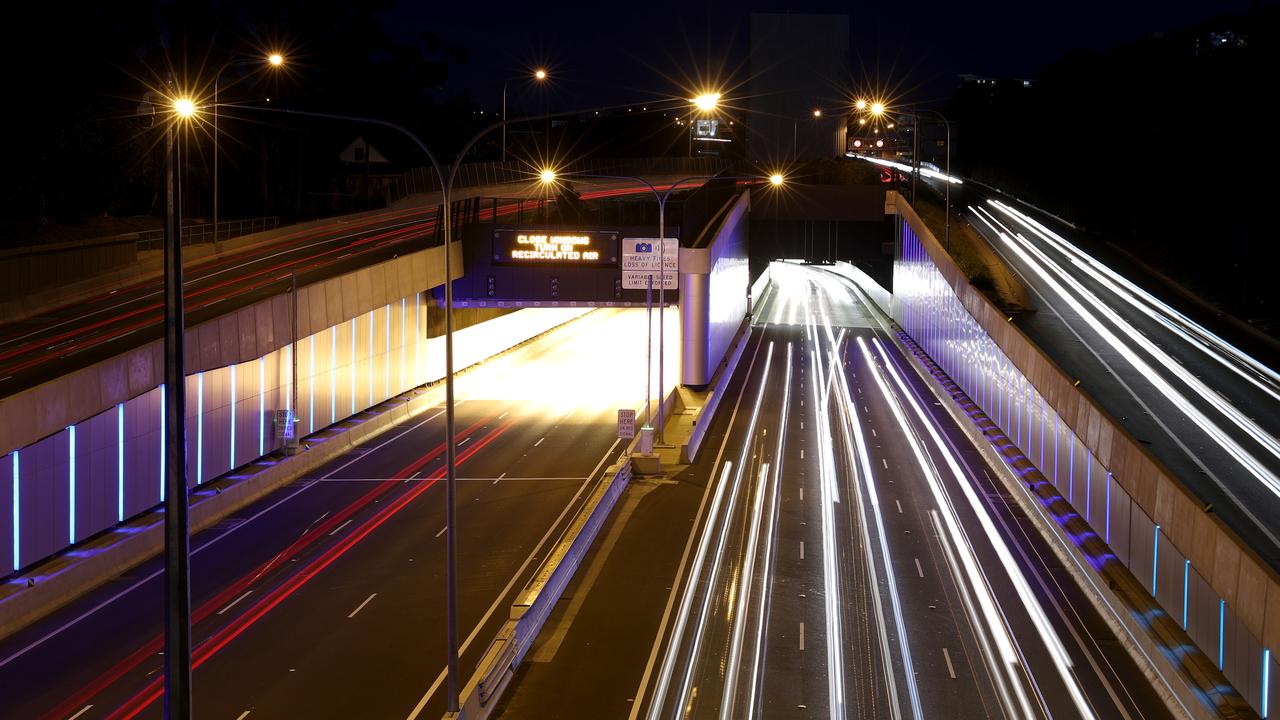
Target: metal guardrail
(535, 602)
(198, 234)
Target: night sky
(607, 52)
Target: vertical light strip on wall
(386, 359)
(1221, 629)
(311, 389)
(288, 386)
(262, 406)
(199, 427)
(371, 329)
(232, 461)
(355, 325)
(1088, 487)
(1155, 559)
(71, 483)
(417, 338)
(333, 375)
(17, 511)
(402, 344)
(1266, 680)
(1071, 471)
(162, 419)
(120, 462)
(1186, 582)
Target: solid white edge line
(361, 605)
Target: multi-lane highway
(1204, 405)
(857, 559)
(62, 339)
(326, 598)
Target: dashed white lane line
(801, 549)
(919, 570)
(446, 527)
(950, 668)
(495, 480)
(801, 636)
(885, 463)
(895, 502)
(337, 529)
(801, 424)
(873, 433)
(244, 715)
(503, 415)
(802, 453)
(233, 602)
(801, 493)
(361, 606)
(83, 710)
(464, 441)
(539, 441)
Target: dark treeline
(1166, 146)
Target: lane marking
(802, 453)
(446, 527)
(873, 433)
(339, 528)
(440, 678)
(919, 570)
(361, 606)
(801, 493)
(801, 636)
(464, 441)
(885, 463)
(495, 480)
(83, 710)
(503, 415)
(539, 441)
(895, 502)
(801, 549)
(244, 715)
(233, 602)
(950, 668)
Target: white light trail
(924, 171)
(1025, 251)
(1057, 653)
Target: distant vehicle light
(857, 143)
(880, 143)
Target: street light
(878, 110)
(177, 529)
(275, 60)
(548, 176)
(538, 75)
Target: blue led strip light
(1222, 629)
(120, 462)
(71, 483)
(1186, 582)
(17, 511)
(232, 461)
(162, 419)
(199, 427)
(1155, 559)
(262, 406)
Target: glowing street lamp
(274, 60)
(777, 179)
(540, 75)
(877, 109)
(184, 107)
(817, 112)
(707, 102)
(547, 176)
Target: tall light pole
(538, 75)
(177, 556)
(549, 176)
(274, 60)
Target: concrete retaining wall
(30, 269)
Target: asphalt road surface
(856, 559)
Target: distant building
(797, 65)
